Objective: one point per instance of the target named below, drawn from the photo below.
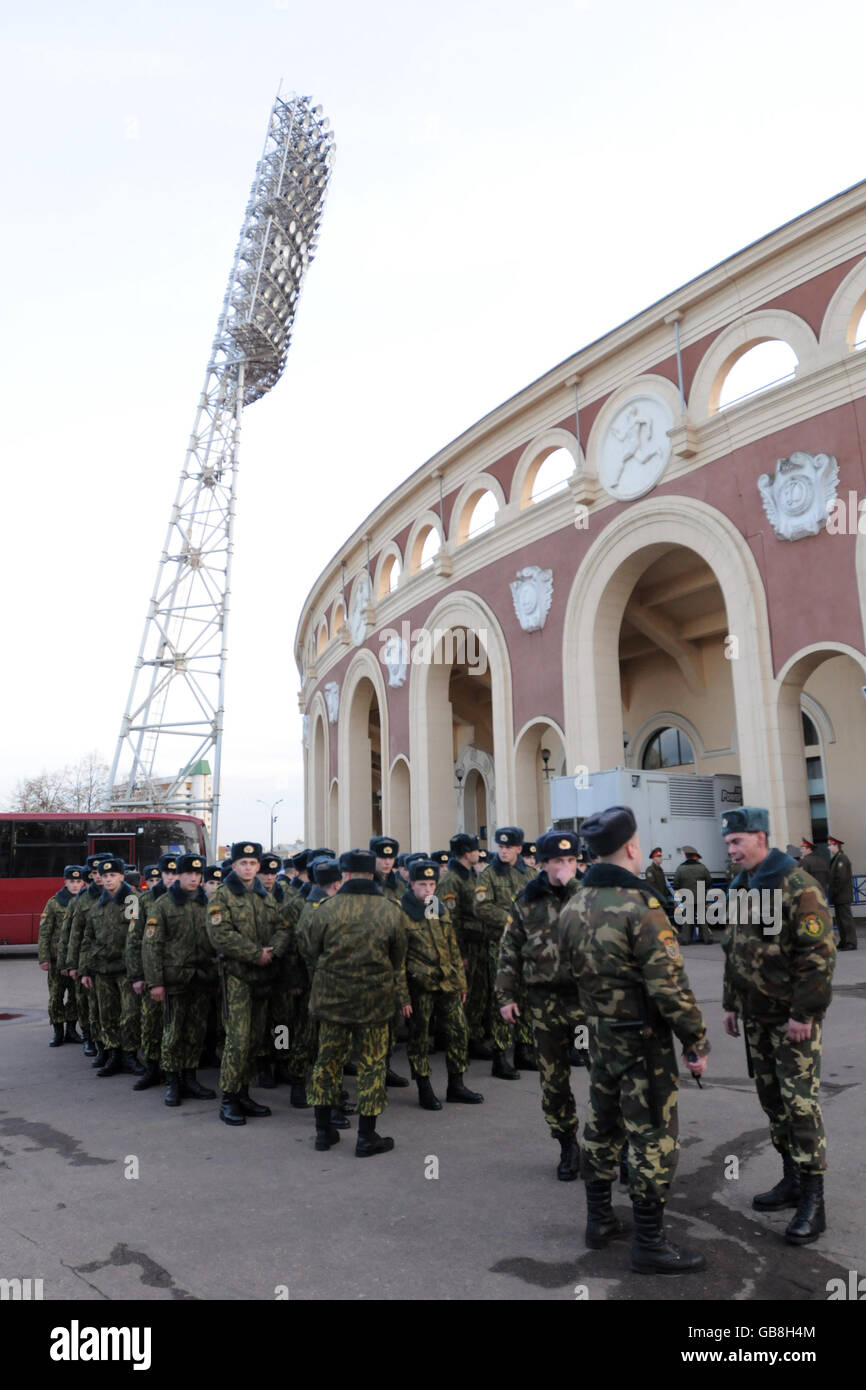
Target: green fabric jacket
(625, 957)
(51, 923)
(358, 953)
(785, 974)
(457, 891)
(529, 952)
(690, 873)
(240, 922)
(79, 911)
(841, 880)
(106, 927)
(495, 890)
(176, 950)
(433, 960)
(132, 951)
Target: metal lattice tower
(175, 706)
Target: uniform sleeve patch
(480, 894)
(813, 926)
(215, 918)
(150, 931)
(670, 943)
(654, 902)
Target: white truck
(672, 809)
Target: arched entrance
(533, 770)
(363, 745)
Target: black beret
(607, 831)
(385, 846)
(327, 871)
(110, 864)
(73, 871)
(440, 856)
(557, 844)
(190, 864)
(424, 871)
(214, 873)
(462, 844)
(246, 849)
(167, 863)
(509, 835)
(358, 861)
(271, 863)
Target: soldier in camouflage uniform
(305, 1033)
(624, 955)
(357, 950)
(80, 994)
(62, 1007)
(841, 894)
(497, 887)
(389, 883)
(457, 891)
(101, 962)
(530, 966)
(687, 876)
(437, 987)
(245, 930)
(180, 972)
(151, 1009)
(289, 980)
(780, 983)
(73, 930)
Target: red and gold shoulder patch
(215, 918)
(668, 939)
(812, 926)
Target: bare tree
(81, 787)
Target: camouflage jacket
(495, 891)
(78, 913)
(529, 951)
(787, 974)
(240, 922)
(390, 885)
(457, 891)
(433, 960)
(623, 953)
(176, 951)
(51, 923)
(358, 954)
(302, 930)
(132, 951)
(293, 972)
(841, 880)
(103, 940)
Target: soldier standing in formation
(841, 894)
(62, 1006)
(497, 887)
(78, 912)
(102, 967)
(457, 891)
(530, 966)
(780, 983)
(151, 1008)
(689, 874)
(625, 958)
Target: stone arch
(594, 612)
(417, 537)
(664, 718)
(471, 491)
(322, 637)
(734, 341)
(399, 820)
(819, 717)
(843, 313)
(338, 617)
(318, 760)
(333, 825)
(474, 763)
(533, 457)
(388, 556)
(431, 746)
(532, 786)
(355, 756)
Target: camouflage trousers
(279, 1023)
(787, 1076)
(62, 1007)
(245, 1039)
(336, 1041)
(450, 1021)
(151, 1028)
(119, 1012)
(621, 1107)
(93, 1011)
(82, 1004)
(302, 1050)
(184, 1024)
(554, 1016)
(482, 1010)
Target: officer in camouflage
(62, 1007)
(625, 958)
(778, 979)
(357, 950)
(530, 965)
(497, 887)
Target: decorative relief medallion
(532, 593)
(799, 494)
(636, 447)
(332, 700)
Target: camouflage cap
(745, 820)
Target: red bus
(36, 847)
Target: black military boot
(651, 1251)
(57, 1040)
(350, 1069)
(503, 1068)
(601, 1224)
(326, 1133)
(191, 1088)
(786, 1193)
(394, 1080)
(267, 1080)
(368, 1141)
(250, 1106)
(809, 1220)
(113, 1063)
(298, 1095)
(72, 1034)
(89, 1046)
(151, 1076)
(480, 1051)
(460, 1093)
(131, 1064)
(230, 1110)
(338, 1118)
(524, 1057)
(427, 1098)
(569, 1157)
(347, 1107)
(101, 1056)
(172, 1090)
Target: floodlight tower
(176, 699)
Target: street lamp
(272, 819)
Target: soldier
(62, 1007)
(530, 965)
(457, 891)
(213, 877)
(180, 972)
(78, 912)
(440, 857)
(496, 889)
(437, 987)
(780, 983)
(386, 850)
(244, 929)
(528, 853)
(101, 962)
(481, 862)
(841, 894)
(151, 876)
(302, 1054)
(814, 864)
(623, 954)
(689, 874)
(655, 877)
(357, 950)
(151, 1009)
(289, 979)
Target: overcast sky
(511, 182)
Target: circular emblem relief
(636, 447)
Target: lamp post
(272, 819)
